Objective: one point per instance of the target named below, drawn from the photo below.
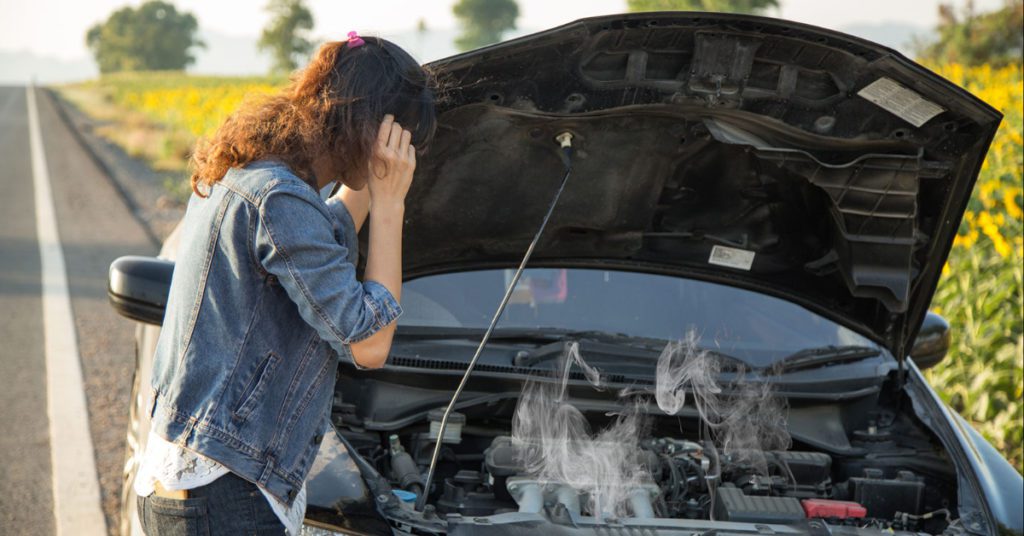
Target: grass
(158, 116)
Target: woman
(265, 297)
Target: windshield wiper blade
(525, 334)
(590, 348)
(821, 356)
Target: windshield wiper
(589, 348)
(442, 332)
(821, 356)
(542, 335)
(606, 346)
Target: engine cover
(732, 505)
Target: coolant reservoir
(453, 432)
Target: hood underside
(765, 154)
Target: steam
(745, 423)
(683, 367)
(557, 445)
(572, 356)
(754, 422)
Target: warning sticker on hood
(740, 259)
(900, 101)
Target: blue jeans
(229, 505)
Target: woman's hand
(392, 165)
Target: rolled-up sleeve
(295, 241)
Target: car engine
(483, 474)
(683, 452)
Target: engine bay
(893, 476)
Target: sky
(55, 29)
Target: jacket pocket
(257, 384)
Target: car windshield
(753, 327)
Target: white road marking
(76, 489)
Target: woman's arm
(314, 269)
(295, 241)
(390, 178)
(357, 202)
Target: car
(722, 326)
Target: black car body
(789, 192)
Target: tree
(975, 39)
(728, 6)
(285, 36)
(152, 37)
(484, 21)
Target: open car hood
(765, 154)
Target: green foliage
(285, 36)
(157, 116)
(727, 6)
(484, 21)
(153, 37)
(982, 376)
(980, 291)
(973, 39)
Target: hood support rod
(565, 142)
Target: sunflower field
(980, 292)
(193, 105)
(157, 116)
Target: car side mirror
(932, 342)
(138, 287)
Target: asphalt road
(95, 227)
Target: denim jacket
(263, 300)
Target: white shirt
(177, 468)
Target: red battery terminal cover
(830, 508)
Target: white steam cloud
(683, 367)
(557, 445)
(747, 421)
(754, 421)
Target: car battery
(884, 497)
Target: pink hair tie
(354, 40)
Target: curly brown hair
(332, 108)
